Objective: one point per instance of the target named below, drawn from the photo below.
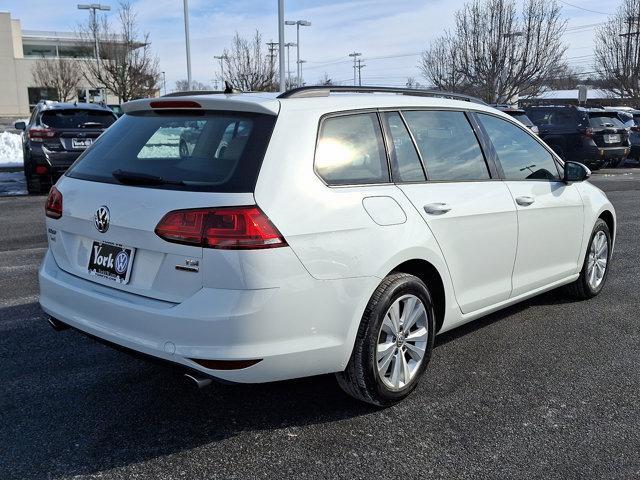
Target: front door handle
(437, 208)
(524, 200)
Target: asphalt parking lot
(549, 389)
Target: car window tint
(76, 118)
(522, 118)
(521, 156)
(405, 162)
(604, 121)
(448, 145)
(350, 150)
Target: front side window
(351, 151)
(405, 162)
(521, 156)
(448, 145)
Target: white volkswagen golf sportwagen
(322, 230)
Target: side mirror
(20, 126)
(575, 172)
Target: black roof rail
(324, 91)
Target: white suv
(313, 232)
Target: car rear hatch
(121, 191)
(608, 130)
(72, 131)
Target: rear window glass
(522, 118)
(219, 152)
(78, 118)
(599, 120)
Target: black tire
(581, 289)
(34, 185)
(615, 163)
(361, 379)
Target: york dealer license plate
(111, 261)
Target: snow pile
(10, 150)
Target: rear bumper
(614, 152)
(297, 332)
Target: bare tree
(61, 74)
(617, 51)
(247, 66)
(412, 83)
(495, 53)
(126, 65)
(325, 79)
(183, 86)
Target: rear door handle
(437, 208)
(524, 200)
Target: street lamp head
(291, 44)
(289, 22)
(93, 6)
(304, 23)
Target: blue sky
(390, 34)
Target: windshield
(602, 120)
(76, 118)
(218, 152)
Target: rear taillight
(232, 228)
(41, 169)
(587, 132)
(53, 207)
(38, 134)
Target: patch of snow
(10, 150)
(12, 183)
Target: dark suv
(56, 134)
(519, 115)
(592, 136)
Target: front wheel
(394, 342)
(596, 264)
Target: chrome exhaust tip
(197, 380)
(57, 325)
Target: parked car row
(597, 137)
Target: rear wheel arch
(430, 275)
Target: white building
(20, 49)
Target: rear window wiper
(91, 125)
(136, 178)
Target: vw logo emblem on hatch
(101, 219)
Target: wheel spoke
(397, 369)
(387, 325)
(416, 352)
(417, 313)
(409, 305)
(419, 335)
(406, 374)
(394, 315)
(385, 349)
(383, 366)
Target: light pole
(300, 82)
(355, 56)
(164, 82)
(187, 43)
(222, 58)
(298, 24)
(283, 81)
(94, 26)
(503, 73)
(288, 46)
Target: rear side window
(448, 145)
(405, 162)
(77, 118)
(350, 150)
(604, 121)
(521, 156)
(216, 152)
(523, 119)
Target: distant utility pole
(632, 21)
(187, 43)
(300, 82)
(283, 80)
(288, 45)
(355, 56)
(222, 58)
(164, 82)
(298, 24)
(360, 67)
(272, 46)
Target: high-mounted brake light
(53, 207)
(175, 104)
(230, 228)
